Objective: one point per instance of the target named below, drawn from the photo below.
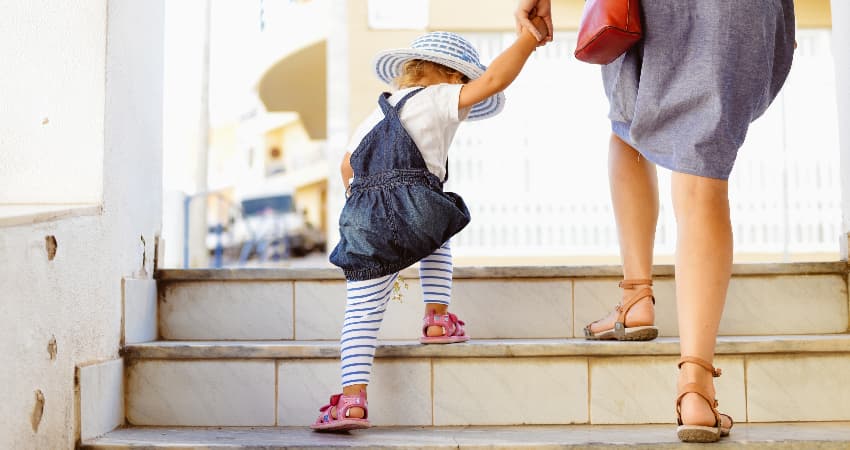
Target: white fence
(535, 177)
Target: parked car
(267, 228)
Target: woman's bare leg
(703, 270)
(634, 194)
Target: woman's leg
(364, 311)
(634, 194)
(435, 276)
(703, 270)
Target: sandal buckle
(619, 329)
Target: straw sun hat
(448, 49)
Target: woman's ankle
(642, 313)
(695, 409)
(692, 373)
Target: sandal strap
(731, 420)
(452, 325)
(347, 402)
(630, 284)
(624, 308)
(702, 363)
(693, 388)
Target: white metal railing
(535, 177)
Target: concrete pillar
(338, 112)
(841, 52)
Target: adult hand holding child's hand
(527, 10)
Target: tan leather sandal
(698, 433)
(620, 331)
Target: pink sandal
(343, 403)
(453, 329)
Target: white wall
(76, 298)
(184, 32)
(51, 121)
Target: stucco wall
(51, 139)
(76, 297)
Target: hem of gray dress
(623, 131)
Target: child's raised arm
(503, 70)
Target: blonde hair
(415, 70)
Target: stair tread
(665, 270)
(668, 346)
(823, 435)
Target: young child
(397, 213)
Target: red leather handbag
(608, 28)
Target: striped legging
(367, 301)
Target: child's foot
(443, 328)
(343, 412)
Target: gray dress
(685, 96)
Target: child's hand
(541, 27)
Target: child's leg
(435, 275)
(367, 301)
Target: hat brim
(389, 64)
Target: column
(338, 115)
(841, 52)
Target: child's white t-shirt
(430, 117)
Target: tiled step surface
(483, 348)
(521, 302)
(557, 381)
(824, 436)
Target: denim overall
(397, 212)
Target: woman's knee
(693, 193)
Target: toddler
(396, 212)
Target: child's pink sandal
(326, 422)
(453, 329)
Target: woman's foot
(632, 320)
(698, 418)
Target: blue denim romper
(397, 212)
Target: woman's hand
(537, 8)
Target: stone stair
(257, 348)
(805, 436)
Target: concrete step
(496, 302)
(542, 381)
(776, 436)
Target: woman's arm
(504, 69)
